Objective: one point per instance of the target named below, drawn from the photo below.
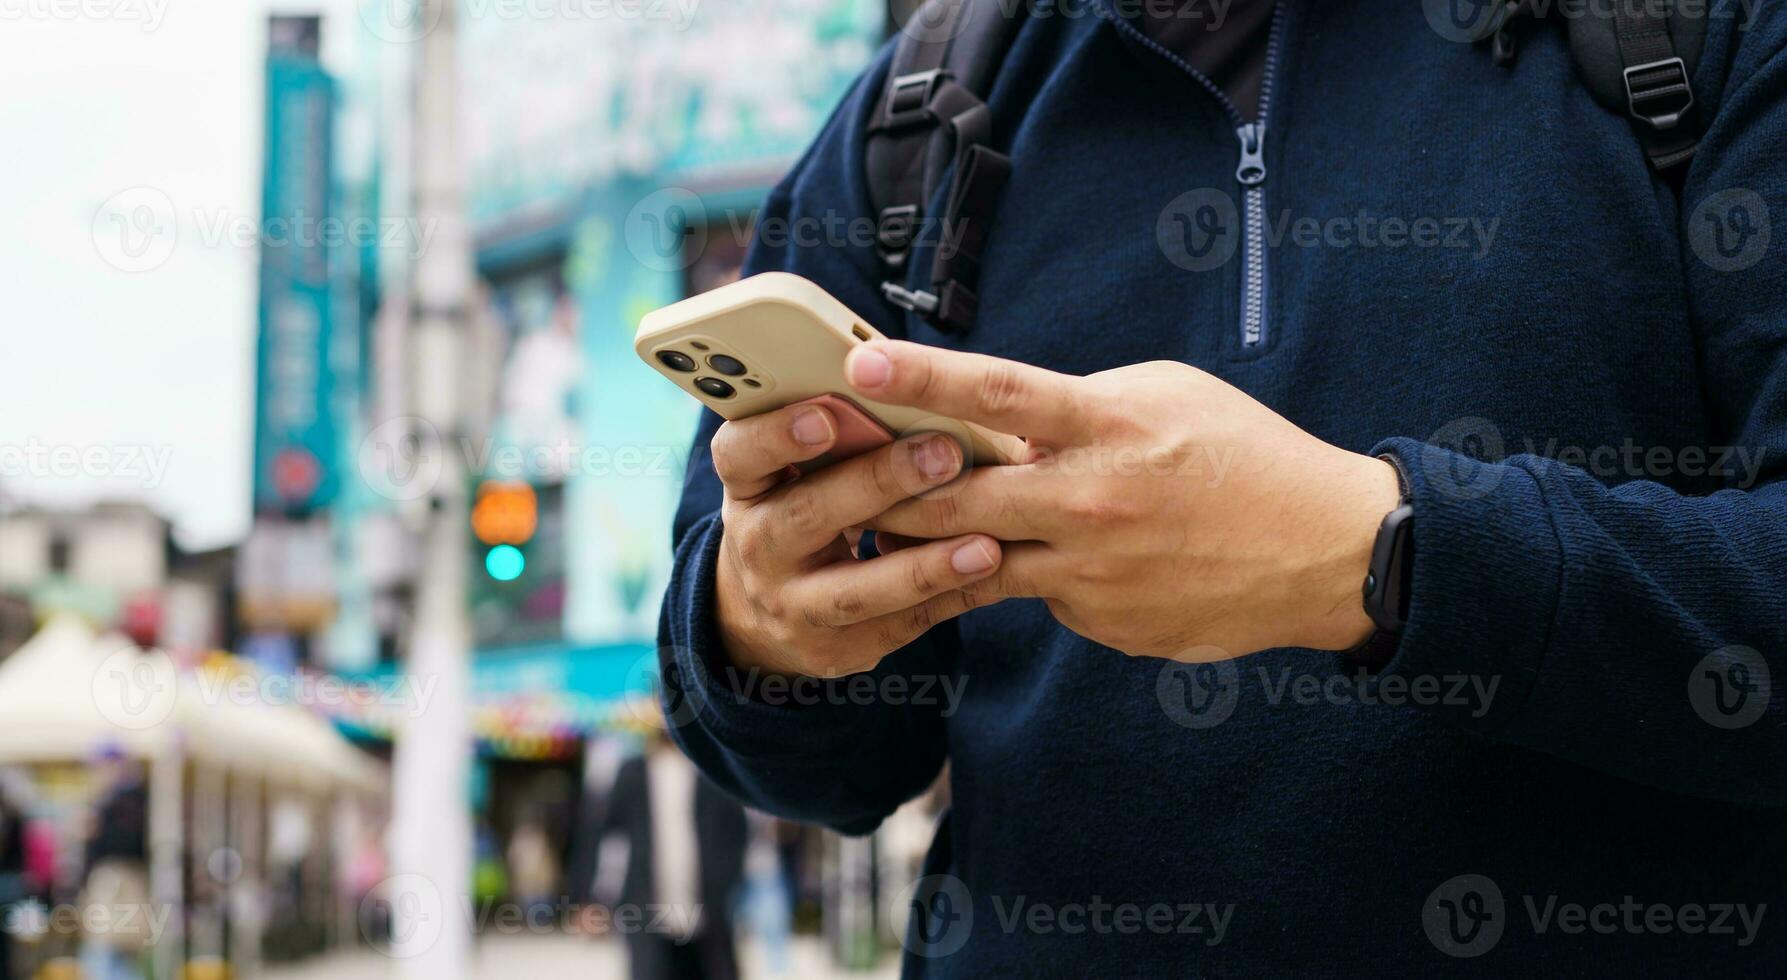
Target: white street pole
(431, 839)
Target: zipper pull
(1252, 170)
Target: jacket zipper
(1250, 173)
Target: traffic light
(506, 513)
(517, 574)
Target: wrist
(1339, 557)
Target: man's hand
(1163, 512)
(791, 596)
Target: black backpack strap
(1658, 84)
(932, 119)
(1636, 59)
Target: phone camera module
(676, 360)
(726, 365)
(715, 387)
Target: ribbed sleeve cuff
(1487, 569)
(749, 714)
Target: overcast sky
(142, 368)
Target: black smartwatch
(1386, 588)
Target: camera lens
(676, 360)
(715, 387)
(726, 365)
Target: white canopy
(67, 694)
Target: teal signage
(295, 440)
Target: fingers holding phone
(791, 598)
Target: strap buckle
(909, 98)
(912, 301)
(1663, 89)
(894, 232)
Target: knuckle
(747, 545)
(1000, 390)
(1011, 511)
(801, 512)
(924, 583)
(729, 449)
(922, 378)
(774, 609)
(724, 467)
(891, 637)
(881, 477)
(1098, 509)
(846, 606)
(946, 514)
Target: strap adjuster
(894, 233)
(1662, 89)
(911, 300)
(909, 97)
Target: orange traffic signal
(506, 513)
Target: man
(1469, 294)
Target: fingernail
(870, 368)
(812, 428)
(936, 457)
(971, 558)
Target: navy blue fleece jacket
(1575, 761)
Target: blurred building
(116, 565)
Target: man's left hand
(1162, 511)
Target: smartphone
(776, 339)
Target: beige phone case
(790, 336)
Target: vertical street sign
(295, 470)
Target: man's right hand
(792, 597)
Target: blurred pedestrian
(768, 903)
(533, 871)
(13, 880)
(686, 845)
(115, 898)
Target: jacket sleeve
(831, 752)
(1632, 628)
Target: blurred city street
(512, 957)
(336, 506)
